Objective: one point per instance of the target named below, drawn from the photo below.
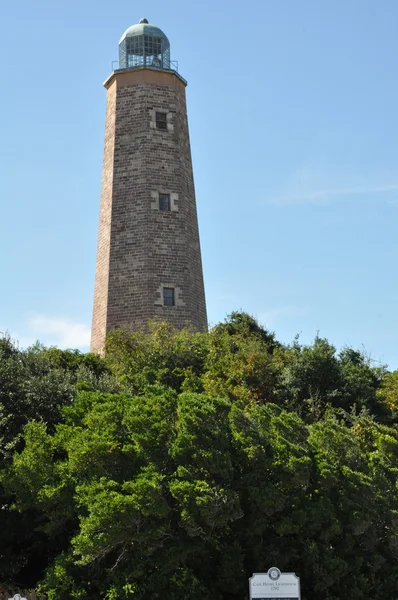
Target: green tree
(158, 355)
(387, 393)
(315, 378)
(181, 463)
(35, 384)
(243, 361)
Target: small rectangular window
(161, 120)
(168, 296)
(164, 201)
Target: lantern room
(144, 45)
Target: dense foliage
(181, 463)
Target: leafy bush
(181, 463)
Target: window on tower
(164, 201)
(161, 120)
(168, 296)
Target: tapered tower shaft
(148, 258)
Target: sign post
(274, 585)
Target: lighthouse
(148, 256)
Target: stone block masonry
(142, 249)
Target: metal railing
(146, 64)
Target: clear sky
(293, 112)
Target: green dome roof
(143, 28)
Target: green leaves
(182, 463)
(204, 473)
(115, 516)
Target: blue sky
(294, 132)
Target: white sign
(274, 585)
(17, 597)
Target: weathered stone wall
(98, 332)
(141, 248)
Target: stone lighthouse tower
(148, 258)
